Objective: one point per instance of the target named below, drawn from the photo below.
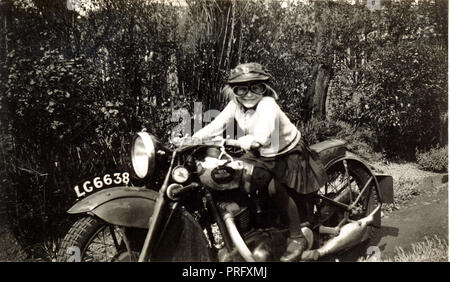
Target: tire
(82, 242)
(184, 240)
(359, 176)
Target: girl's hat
(248, 72)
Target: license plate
(101, 182)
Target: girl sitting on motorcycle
(282, 155)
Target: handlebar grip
(255, 145)
(235, 143)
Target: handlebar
(235, 143)
(230, 142)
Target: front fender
(124, 206)
(183, 240)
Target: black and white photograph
(224, 131)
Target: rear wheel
(345, 176)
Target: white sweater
(268, 125)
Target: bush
(400, 88)
(403, 113)
(67, 116)
(361, 140)
(436, 159)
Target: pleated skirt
(297, 169)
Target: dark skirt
(297, 169)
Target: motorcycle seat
(329, 149)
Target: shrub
(436, 159)
(361, 140)
(67, 116)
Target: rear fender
(383, 182)
(124, 206)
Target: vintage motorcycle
(206, 208)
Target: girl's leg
(305, 206)
(287, 208)
(286, 205)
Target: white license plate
(101, 182)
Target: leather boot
(295, 248)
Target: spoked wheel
(349, 182)
(91, 239)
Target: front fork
(156, 220)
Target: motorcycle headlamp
(180, 174)
(143, 154)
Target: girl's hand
(248, 142)
(187, 140)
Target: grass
(432, 249)
(436, 159)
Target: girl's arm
(217, 126)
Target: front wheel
(94, 240)
(91, 239)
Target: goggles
(242, 90)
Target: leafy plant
(360, 140)
(436, 159)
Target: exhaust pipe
(350, 234)
(237, 238)
(258, 254)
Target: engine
(265, 244)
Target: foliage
(361, 141)
(436, 159)
(398, 86)
(403, 112)
(70, 112)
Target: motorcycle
(206, 208)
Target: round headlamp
(143, 152)
(180, 174)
